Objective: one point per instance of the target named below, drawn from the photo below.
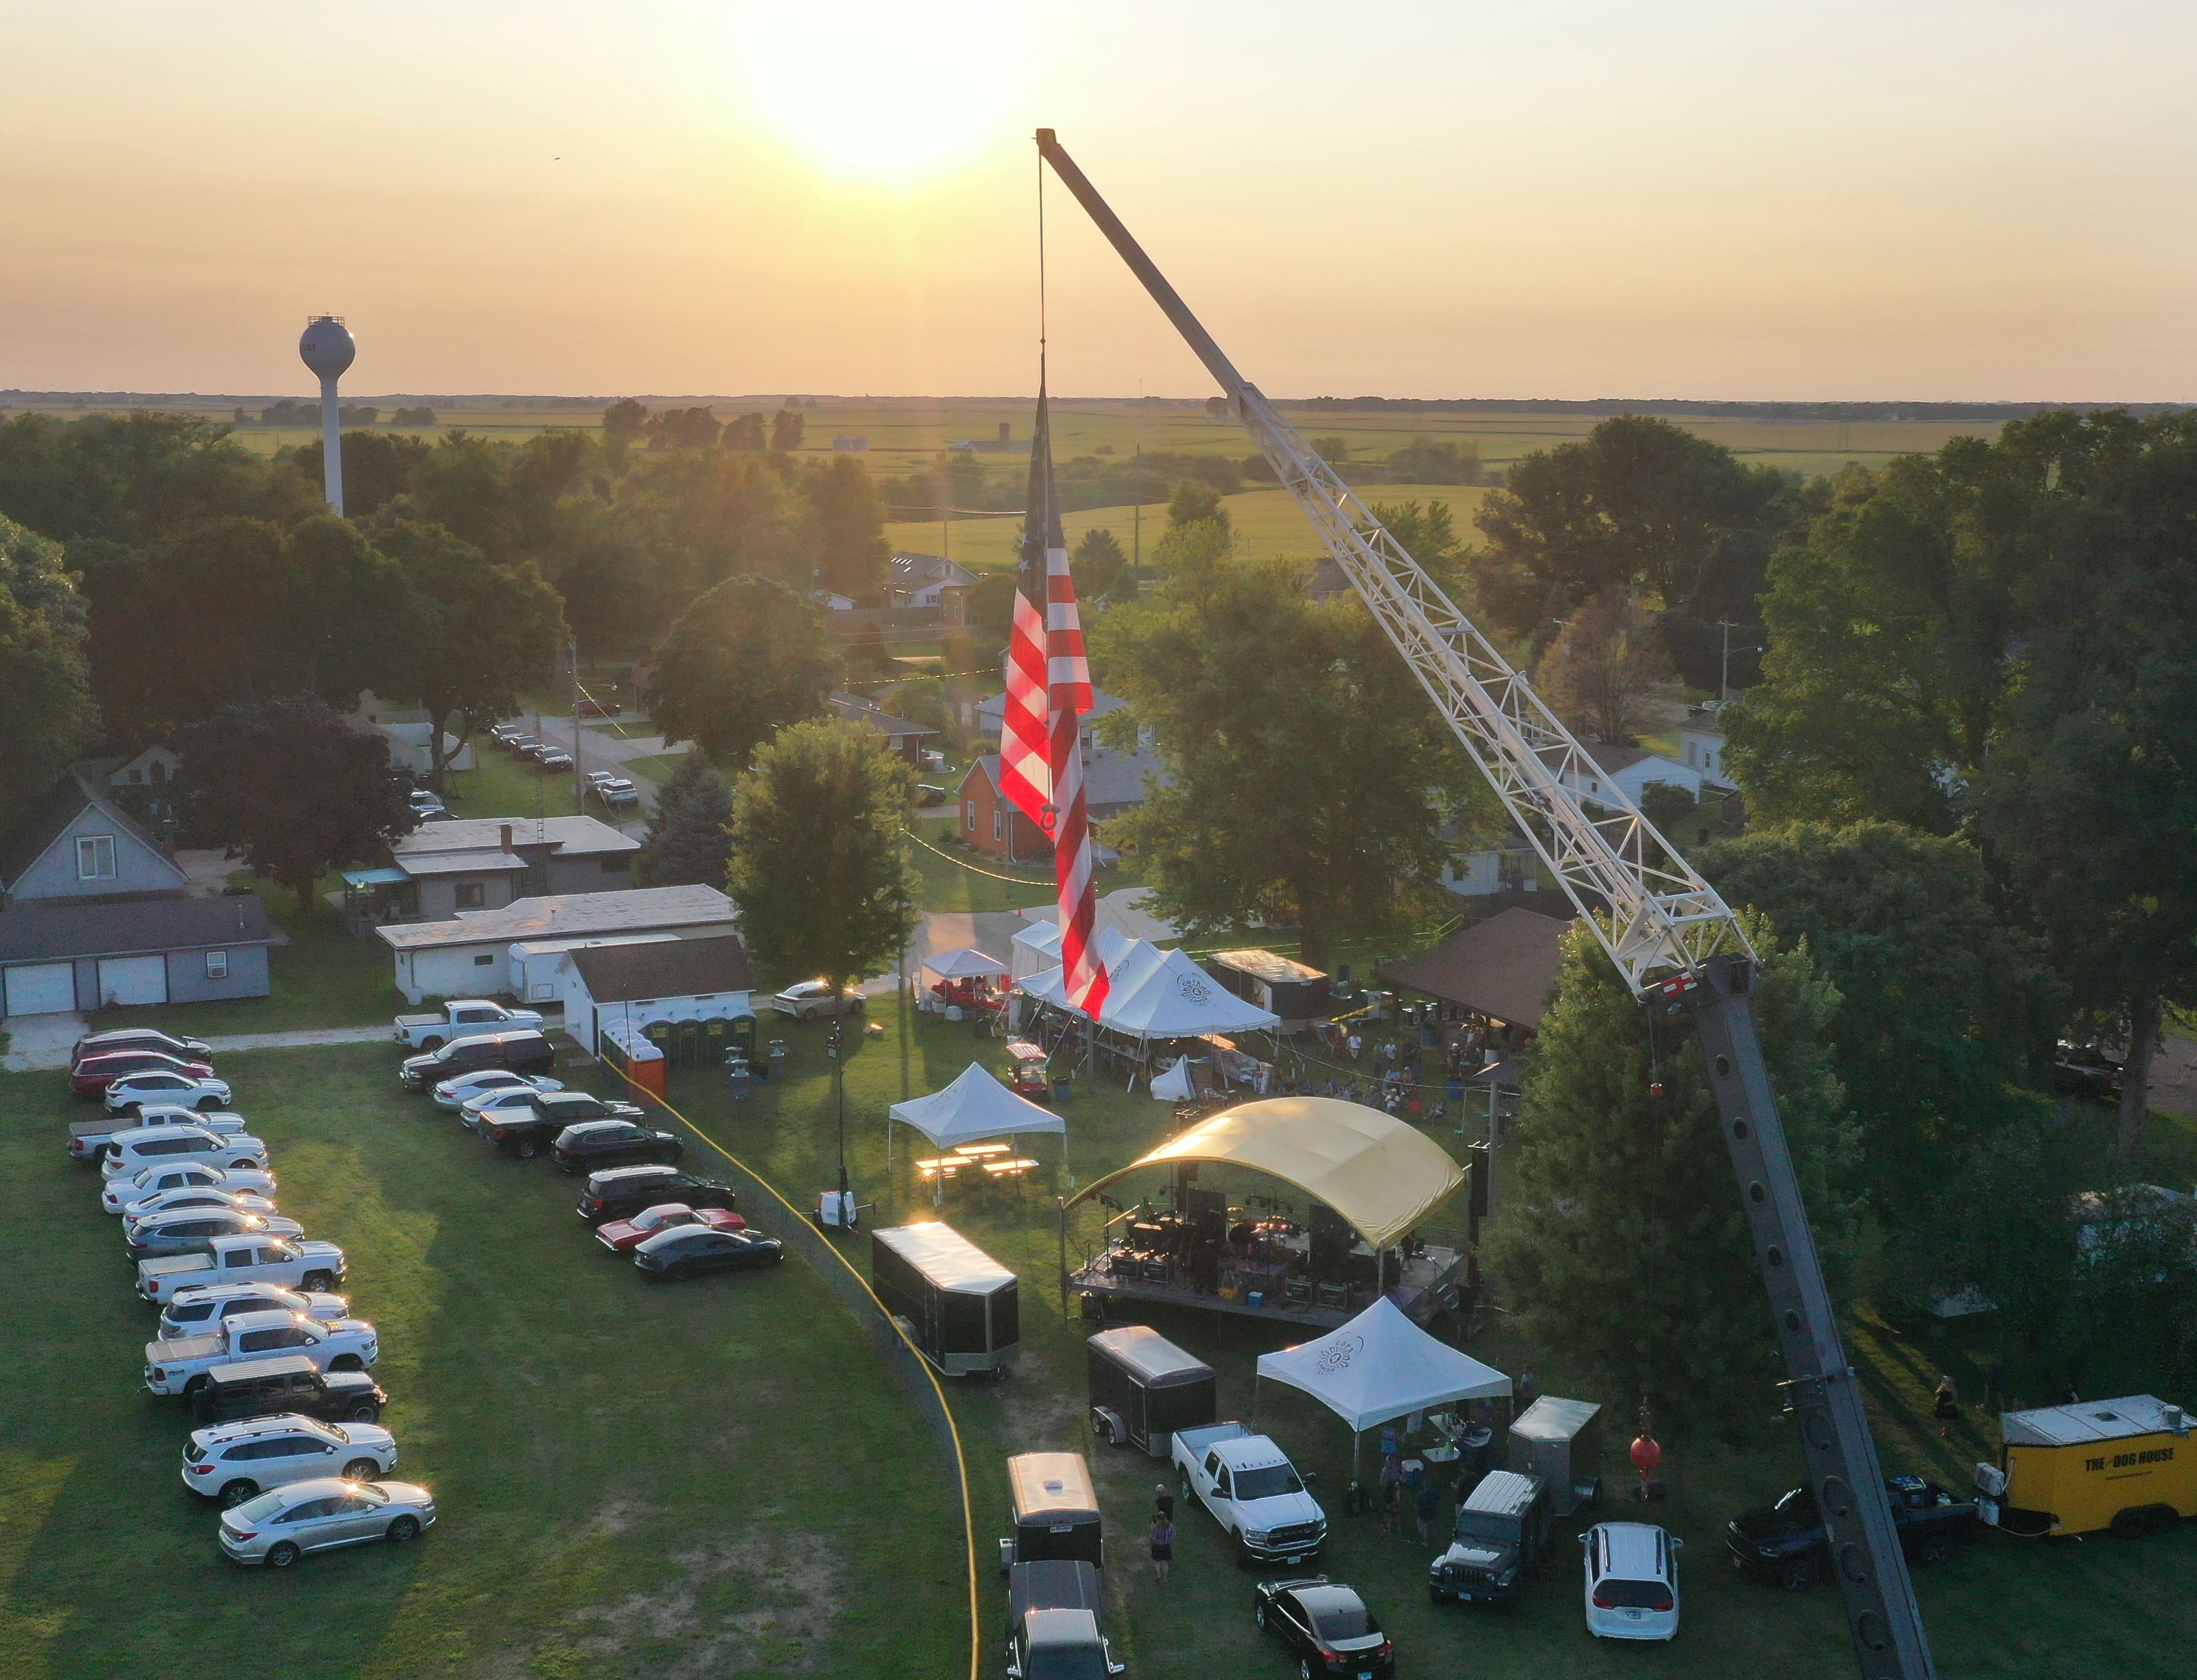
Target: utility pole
(1137, 565)
(1723, 682)
(579, 785)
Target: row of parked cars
(616, 791)
(252, 1337)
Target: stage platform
(1428, 1284)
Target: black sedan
(688, 1251)
(1325, 1626)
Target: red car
(91, 1076)
(137, 1038)
(621, 1235)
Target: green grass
(964, 880)
(502, 785)
(658, 768)
(715, 1478)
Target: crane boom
(1675, 939)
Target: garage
(133, 980)
(40, 988)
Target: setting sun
(881, 91)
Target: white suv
(1632, 1581)
(232, 1461)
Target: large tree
(1602, 674)
(688, 842)
(1620, 1235)
(1307, 778)
(747, 658)
(285, 784)
(851, 550)
(47, 712)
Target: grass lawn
(2021, 1610)
(502, 786)
(658, 768)
(716, 1478)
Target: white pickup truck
(89, 1138)
(1252, 1490)
(179, 1367)
(459, 1017)
(292, 1263)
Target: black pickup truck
(528, 1129)
(1784, 1542)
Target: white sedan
(127, 1096)
(812, 998)
(119, 1193)
(176, 1201)
(459, 1089)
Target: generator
(2125, 1464)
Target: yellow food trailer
(2128, 1465)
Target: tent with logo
(1155, 992)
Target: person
(1428, 1509)
(1356, 1044)
(1946, 1407)
(1162, 1501)
(1163, 1544)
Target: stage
(1428, 1284)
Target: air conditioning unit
(2175, 1419)
(1990, 1481)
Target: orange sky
(1576, 198)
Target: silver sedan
(278, 1528)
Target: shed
(1560, 1441)
(535, 970)
(1504, 967)
(461, 957)
(654, 981)
(1293, 991)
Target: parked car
(91, 1076)
(277, 1529)
(524, 1051)
(1248, 1484)
(509, 1103)
(533, 1124)
(183, 1200)
(309, 1266)
(593, 708)
(192, 1310)
(288, 1385)
(119, 1192)
(1784, 1541)
(503, 734)
(130, 1153)
(687, 1251)
(453, 1093)
(622, 1236)
(236, 1461)
(522, 744)
(462, 1018)
(1325, 1626)
(2085, 1070)
(133, 1091)
(177, 1367)
(89, 1138)
(1502, 1536)
(169, 1236)
(139, 1038)
(611, 1143)
(1632, 1581)
(812, 998)
(620, 1192)
(1053, 1622)
(425, 804)
(930, 793)
(552, 759)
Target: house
(906, 740)
(990, 717)
(1507, 866)
(931, 581)
(990, 821)
(154, 767)
(442, 869)
(646, 984)
(408, 749)
(96, 913)
(1701, 745)
(1630, 770)
(844, 445)
(471, 953)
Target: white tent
(975, 1106)
(1036, 948)
(1173, 1086)
(1154, 992)
(1381, 1365)
(966, 963)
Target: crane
(1676, 942)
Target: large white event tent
(1379, 1366)
(974, 1107)
(1155, 993)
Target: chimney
(506, 836)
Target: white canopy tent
(1378, 1366)
(966, 963)
(1157, 993)
(975, 1106)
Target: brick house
(990, 822)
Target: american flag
(1040, 736)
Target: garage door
(43, 988)
(133, 980)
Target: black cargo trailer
(1055, 1509)
(961, 1306)
(1144, 1388)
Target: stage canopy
(1381, 1365)
(1157, 994)
(966, 963)
(1504, 967)
(1378, 1174)
(975, 1106)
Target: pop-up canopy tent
(1157, 993)
(966, 963)
(1378, 1366)
(974, 1107)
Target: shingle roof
(568, 916)
(1505, 966)
(51, 817)
(567, 836)
(47, 930)
(678, 968)
(856, 710)
(912, 570)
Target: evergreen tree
(686, 844)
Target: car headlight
(1256, 1537)
(1506, 1578)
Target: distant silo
(328, 348)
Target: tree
(786, 426)
(1215, 407)
(139, 477)
(682, 429)
(285, 783)
(744, 431)
(377, 468)
(688, 842)
(47, 712)
(1602, 672)
(1424, 462)
(623, 421)
(1621, 1237)
(1307, 778)
(477, 634)
(1098, 566)
(1195, 503)
(1197, 546)
(744, 660)
(851, 551)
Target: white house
(407, 748)
(1630, 770)
(471, 953)
(1701, 745)
(931, 580)
(645, 983)
(1508, 866)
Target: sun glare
(887, 92)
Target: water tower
(326, 347)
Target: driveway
(37, 1042)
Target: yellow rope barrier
(989, 875)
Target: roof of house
(567, 837)
(856, 710)
(51, 815)
(50, 930)
(681, 968)
(568, 916)
(1505, 966)
(1612, 759)
(911, 570)
(494, 860)
(992, 710)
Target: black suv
(611, 1143)
(624, 1191)
(287, 1382)
(522, 1050)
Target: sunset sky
(1570, 198)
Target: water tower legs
(331, 446)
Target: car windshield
(1502, 1531)
(1616, 1595)
(1269, 1483)
(1341, 1621)
(1057, 1662)
(265, 1506)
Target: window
(217, 965)
(487, 958)
(969, 815)
(999, 824)
(94, 858)
(472, 894)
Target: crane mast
(1677, 945)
